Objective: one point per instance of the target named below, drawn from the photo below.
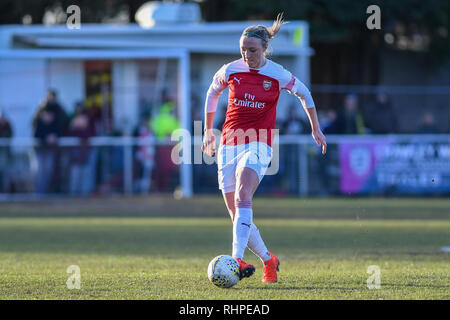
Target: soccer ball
(223, 271)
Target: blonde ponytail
(276, 26)
(263, 33)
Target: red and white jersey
(252, 99)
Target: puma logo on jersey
(237, 80)
(245, 224)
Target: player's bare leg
(229, 202)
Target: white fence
(355, 164)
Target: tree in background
(338, 26)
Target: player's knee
(243, 193)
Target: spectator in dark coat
(5, 126)
(380, 116)
(329, 122)
(47, 130)
(293, 123)
(349, 120)
(62, 122)
(5, 152)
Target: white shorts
(230, 158)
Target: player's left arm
(297, 88)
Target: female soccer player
(245, 151)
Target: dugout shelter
(125, 68)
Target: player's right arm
(218, 84)
(209, 140)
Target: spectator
(428, 124)
(47, 129)
(163, 125)
(81, 168)
(145, 155)
(326, 166)
(61, 114)
(165, 122)
(78, 110)
(5, 126)
(60, 160)
(380, 116)
(293, 123)
(349, 120)
(328, 122)
(5, 152)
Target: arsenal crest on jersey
(267, 85)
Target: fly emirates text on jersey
(249, 101)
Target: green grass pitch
(159, 248)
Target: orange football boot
(270, 269)
(246, 270)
